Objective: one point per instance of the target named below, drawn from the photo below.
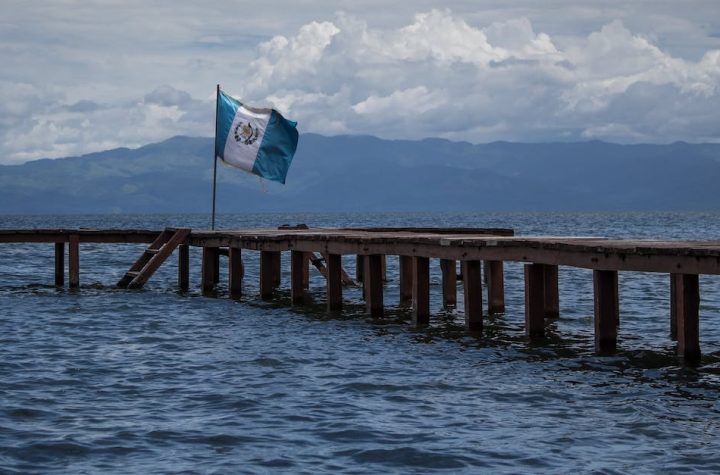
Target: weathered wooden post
(496, 287)
(673, 305)
(59, 264)
(552, 292)
(406, 280)
(421, 290)
(74, 260)
(184, 267)
(209, 271)
(687, 310)
(534, 300)
(448, 269)
(373, 285)
(360, 268)
(268, 277)
(306, 270)
(472, 289)
(235, 272)
(298, 266)
(605, 283)
(334, 282)
(216, 266)
(276, 265)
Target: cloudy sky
(82, 76)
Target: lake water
(114, 381)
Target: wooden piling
(472, 290)
(298, 261)
(210, 272)
(360, 268)
(268, 275)
(184, 267)
(534, 300)
(496, 287)
(59, 264)
(216, 267)
(448, 269)
(334, 282)
(673, 305)
(235, 272)
(373, 285)
(406, 280)
(421, 290)
(276, 266)
(605, 283)
(552, 292)
(74, 260)
(306, 270)
(687, 308)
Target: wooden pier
(478, 250)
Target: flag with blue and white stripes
(260, 141)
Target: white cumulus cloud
(627, 73)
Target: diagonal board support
(319, 261)
(153, 257)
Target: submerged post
(552, 292)
(360, 268)
(534, 300)
(687, 308)
(421, 290)
(373, 285)
(235, 272)
(605, 283)
(406, 280)
(74, 260)
(184, 267)
(673, 305)
(276, 265)
(472, 288)
(59, 264)
(306, 270)
(209, 271)
(298, 266)
(267, 273)
(496, 287)
(334, 282)
(448, 268)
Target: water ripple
(109, 381)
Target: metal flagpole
(217, 107)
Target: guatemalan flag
(260, 141)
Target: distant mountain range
(361, 173)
